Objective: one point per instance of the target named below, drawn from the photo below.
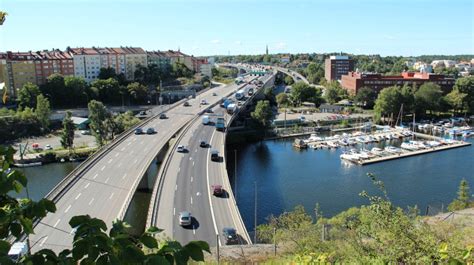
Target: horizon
(213, 28)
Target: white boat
(367, 153)
(392, 149)
(409, 146)
(377, 151)
(332, 144)
(433, 143)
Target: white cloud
(215, 41)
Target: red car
(217, 190)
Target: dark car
(163, 116)
(150, 131)
(215, 155)
(138, 131)
(230, 235)
(186, 104)
(209, 110)
(202, 143)
(217, 190)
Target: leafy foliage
(301, 92)
(463, 200)
(263, 113)
(27, 95)
(67, 134)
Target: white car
(48, 147)
(203, 102)
(181, 148)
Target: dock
(413, 153)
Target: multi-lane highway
(187, 185)
(104, 189)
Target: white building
(206, 69)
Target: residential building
(158, 58)
(86, 63)
(17, 69)
(206, 69)
(200, 65)
(285, 58)
(353, 81)
(52, 62)
(134, 56)
(336, 66)
(179, 57)
(443, 63)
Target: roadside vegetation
(223, 75)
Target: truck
(239, 95)
(226, 103)
(17, 251)
(220, 124)
(231, 108)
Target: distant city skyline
(212, 27)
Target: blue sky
(209, 27)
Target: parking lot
(55, 141)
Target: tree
(108, 90)
(289, 80)
(124, 121)
(466, 85)
(390, 99)
(366, 97)
(43, 111)
(138, 91)
(181, 70)
(428, 97)
(27, 95)
(456, 100)
(54, 88)
(314, 73)
(282, 99)
(77, 87)
(301, 92)
(91, 243)
(463, 200)
(67, 134)
(106, 73)
(263, 113)
(98, 115)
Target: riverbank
(52, 156)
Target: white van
(206, 120)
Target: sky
(230, 27)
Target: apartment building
(17, 69)
(52, 62)
(353, 81)
(158, 58)
(133, 57)
(86, 63)
(336, 66)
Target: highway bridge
(103, 185)
(185, 184)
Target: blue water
(287, 177)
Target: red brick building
(336, 66)
(52, 62)
(353, 81)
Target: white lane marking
(191, 200)
(124, 176)
(191, 179)
(190, 158)
(117, 154)
(95, 176)
(209, 191)
(110, 161)
(87, 185)
(176, 187)
(102, 169)
(107, 180)
(122, 149)
(129, 143)
(194, 230)
(174, 211)
(67, 209)
(135, 161)
(193, 163)
(78, 195)
(42, 241)
(119, 165)
(57, 222)
(111, 195)
(91, 201)
(179, 169)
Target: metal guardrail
(158, 187)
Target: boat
(33, 164)
(300, 144)
(467, 134)
(409, 146)
(332, 144)
(433, 143)
(377, 151)
(392, 149)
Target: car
(217, 190)
(142, 112)
(48, 147)
(186, 104)
(163, 116)
(203, 102)
(85, 132)
(230, 235)
(181, 148)
(138, 131)
(209, 110)
(215, 155)
(202, 143)
(214, 94)
(150, 131)
(185, 218)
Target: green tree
(390, 99)
(54, 89)
(27, 95)
(331, 95)
(43, 111)
(263, 113)
(366, 97)
(181, 70)
(314, 73)
(67, 134)
(124, 121)
(138, 91)
(106, 73)
(466, 85)
(289, 80)
(108, 90)
(282, 99)
(301, 92)
(456, 100)
(463, 200)
(77, 87)
(428, 97)
(99, 116)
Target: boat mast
(413, 136)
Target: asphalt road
(187, 187)
(105, 189)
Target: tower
(266, 51)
